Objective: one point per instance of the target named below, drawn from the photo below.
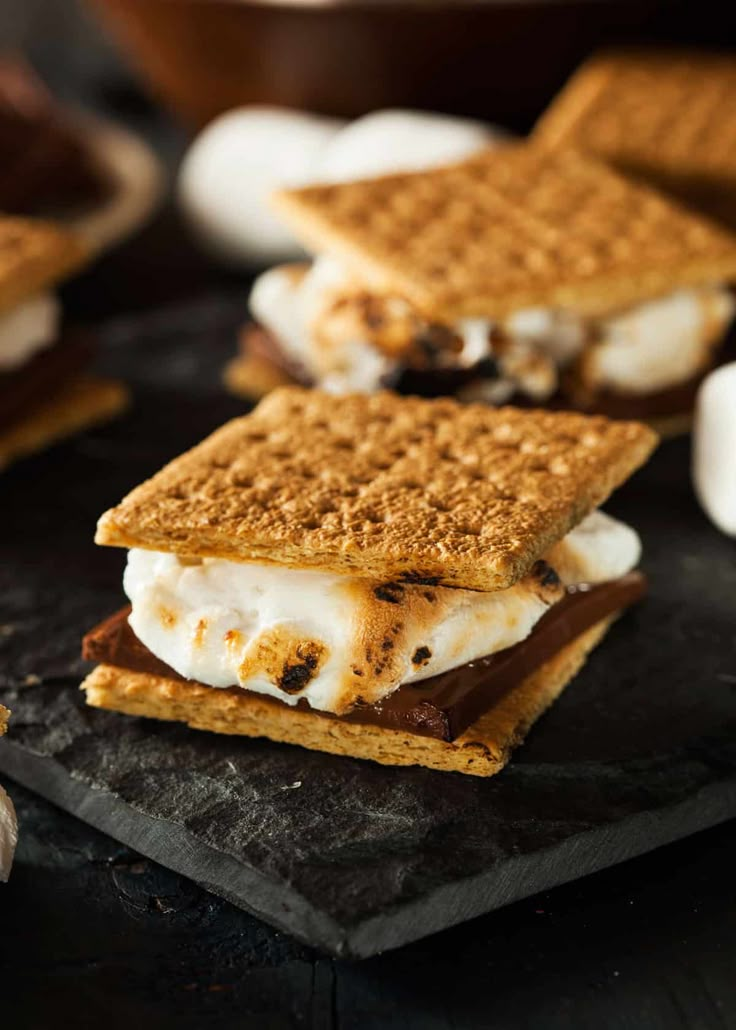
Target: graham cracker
(78, 405)
(515, 228)
(251, 376)
(4, 716)
(668, 116)
(384, 487)
(482, 750)
(33, 256)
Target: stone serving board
(348, 856)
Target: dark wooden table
(94, 935)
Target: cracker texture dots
(387, 487)
(510, 229)
(652, 111)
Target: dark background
(93, 935)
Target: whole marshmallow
(714, 447)
(232, 167)
(8, 834)
(402, 141)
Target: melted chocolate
(441, 706)
(37, 380)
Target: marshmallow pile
(246, 154)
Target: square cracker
(667, 116)
(383, 487)
(33, 256)
(510, 229)
(4, 716)
(78, 405)
(482, 750)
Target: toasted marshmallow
(658, 345)
(8, 835)
(714, 448)
(27, 329)
(559, 334)
(338, 640)
(348, 339)
(289, 300)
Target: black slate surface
(352, 857)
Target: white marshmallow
(598, 549)
(27, 329)
(714, 447)
(655, 346)
(224, 623)
(8, 835)
(560, 334)
(402, 141)
(288, 305)
(234, 165)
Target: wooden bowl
(345, 57)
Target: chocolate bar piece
(40, 378)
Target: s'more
(46, 392)
(663, 115)
(405, 580)
(518, 276)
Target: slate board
(351, 857)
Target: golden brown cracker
(668, 116)
(251, 376)
(510, 229)
(78, 405)
(33, 256)
(384, 487)
(482, 750)
(4, 716)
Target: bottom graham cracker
(80, 404)
(251, 376)
(482, 750)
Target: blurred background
(501, 61)
(166, 68)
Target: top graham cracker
(669, 116)
(510, 229)
(33, 256)
(383, 487)
(4, 716)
